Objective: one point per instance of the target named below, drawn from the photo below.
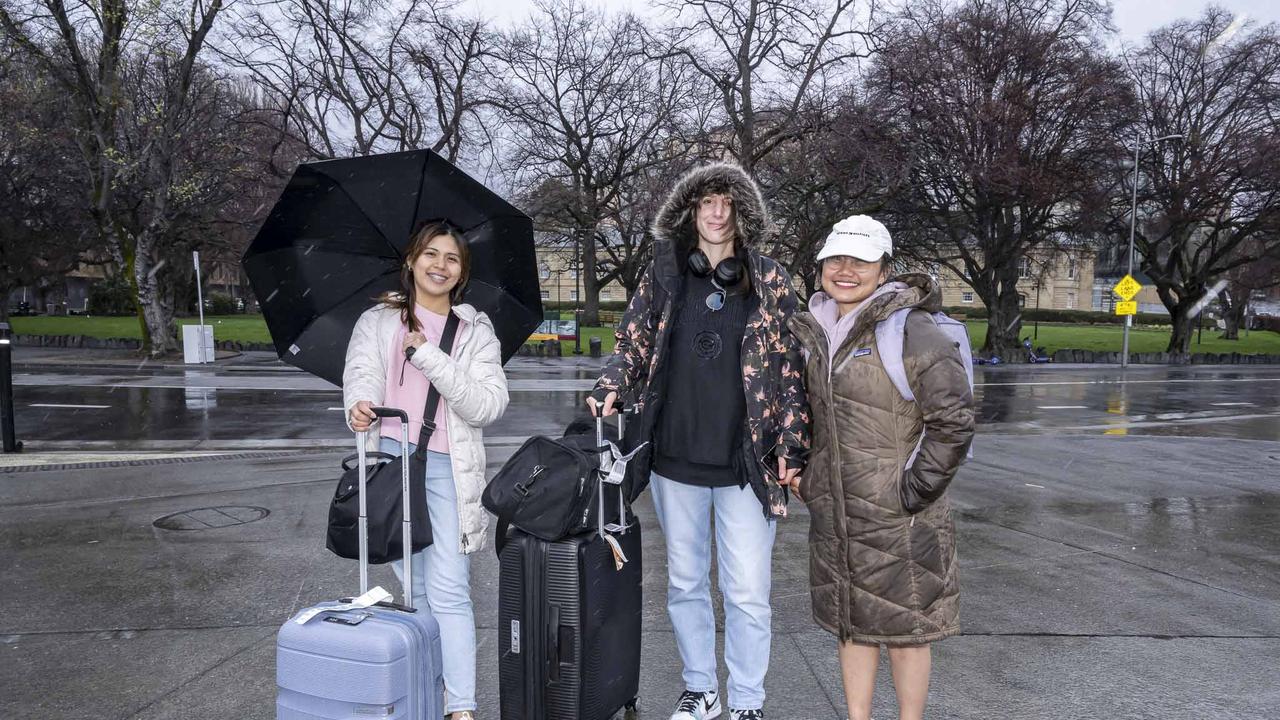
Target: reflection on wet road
(240, 405)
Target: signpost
(1128, 289)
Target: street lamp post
(1133, 224)
(577, 290)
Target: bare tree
(853, 163)
(218, 182)
(1212, 200)
(85, 47)
(769, 62)
(43, 229)
(454, 59)
(1010, 118)
(357, 77)
(1261, 273)
(588, 109)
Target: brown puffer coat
(882, 549)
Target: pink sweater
(409, 392)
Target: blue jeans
(442, 581)
(744, 545)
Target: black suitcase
(569, 623)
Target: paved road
(265, 404)
(1119, 538)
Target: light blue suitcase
(381, 661)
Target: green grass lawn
(1141, 339)
(251, 328)
(243, 328)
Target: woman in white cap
(882, 566)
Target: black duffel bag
(384, 493)
(550, 488)
(385, 485)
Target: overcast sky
(1133, 18)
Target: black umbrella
(336, 238)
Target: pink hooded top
(837, 327)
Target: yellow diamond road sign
(1127, 287)
(1126, 308)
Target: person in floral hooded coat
(705, 358)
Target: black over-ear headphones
(728, 273)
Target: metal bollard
(595, 344)
(6, 390)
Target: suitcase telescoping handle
(406, 537)
(606, 465)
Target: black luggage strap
(433, 395)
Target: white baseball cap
(858, 236)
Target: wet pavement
(1119, 539)
(260, 402)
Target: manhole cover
(212, 517)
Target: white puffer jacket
(471, 384)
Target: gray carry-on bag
(367, 656)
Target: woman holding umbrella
(392, 360)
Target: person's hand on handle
(789, 477)
(602, 409)
(413, 340)
(362, 416)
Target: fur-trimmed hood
(674, 226)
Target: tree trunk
(590, 298)
(1183, 328)
(160, 331)
(1004, 324)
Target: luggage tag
(617, 473)
(619, 557)
(369, 599)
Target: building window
(544, 272)
(573, 273)
(573, 295)
(966, 297)
(1071, 301)
(1022, 300)
(1024, 268)
(1071, 268)
(546, 294)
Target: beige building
(1061, 281)
(558, 276)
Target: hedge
(617, 305)
(1072, 317)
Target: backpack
(890, 334)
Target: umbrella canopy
(336, 239)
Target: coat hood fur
(674, 225)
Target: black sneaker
(756, 714)
(697, 706)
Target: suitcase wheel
(632, 707)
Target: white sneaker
(697, 706)
(756, 714)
